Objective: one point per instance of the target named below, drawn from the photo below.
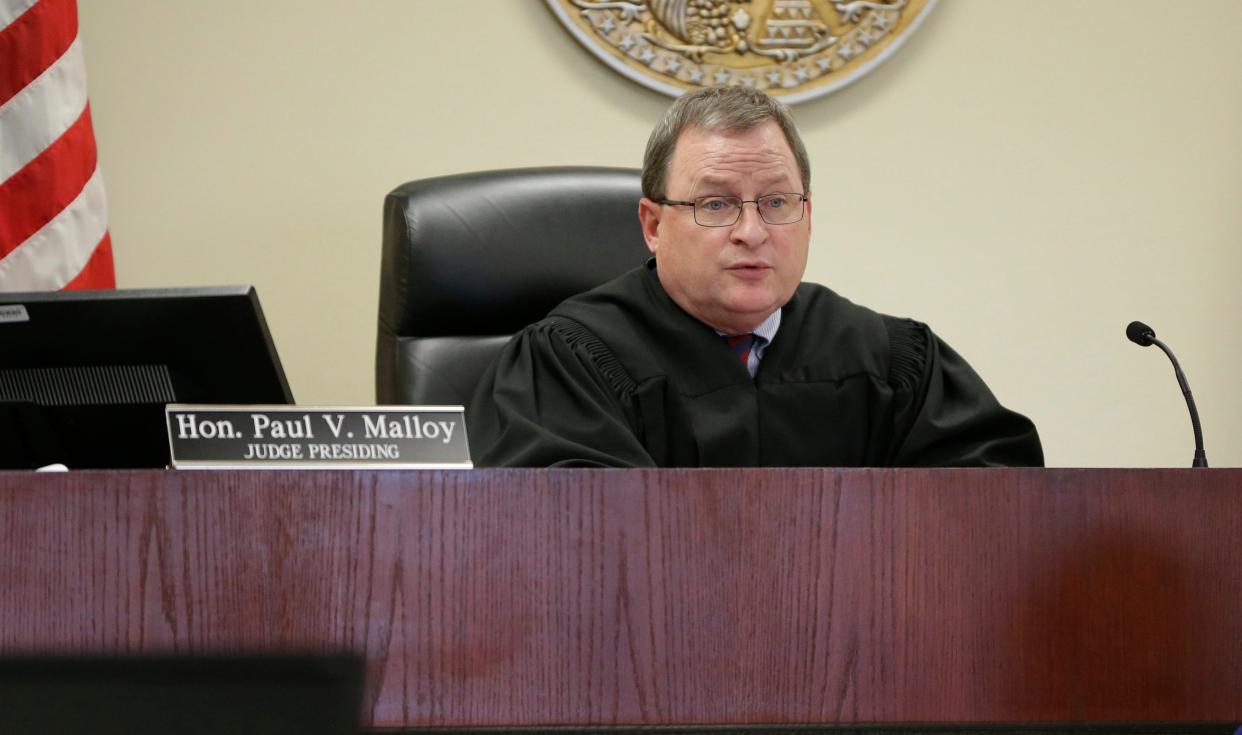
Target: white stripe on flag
(39, 114)
(58, 252)
(11, 10)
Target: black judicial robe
(621, 376)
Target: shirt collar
(766, 329)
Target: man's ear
(807, 214)
(649, 217)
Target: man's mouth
(749, 269)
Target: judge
(715, 353)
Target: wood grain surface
(579, 597)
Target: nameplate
(299, 437)
(12, 313)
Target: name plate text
(298, 437)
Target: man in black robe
(715, 353)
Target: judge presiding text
(715, 353)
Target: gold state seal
(793, 49)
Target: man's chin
(752, 299)
(745, 315)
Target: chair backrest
(470, 259)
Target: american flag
(53, 214)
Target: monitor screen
(85, 375)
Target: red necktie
(741, 344)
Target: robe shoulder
(555, 397)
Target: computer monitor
(85, 375)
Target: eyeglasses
(722, 211)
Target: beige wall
(1025, 176)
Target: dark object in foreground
(306, 695)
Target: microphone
(1144, 336)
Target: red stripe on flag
(30, 44)
(46, 185)
(98, 272)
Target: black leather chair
(470, 259)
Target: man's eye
(776, 202)
(714, 205)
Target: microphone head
(1140, 334)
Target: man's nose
(750, 228)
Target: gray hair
(718, 109)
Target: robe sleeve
(554, 398)
(946, 413)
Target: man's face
(731, 278)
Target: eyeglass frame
(802, 200)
